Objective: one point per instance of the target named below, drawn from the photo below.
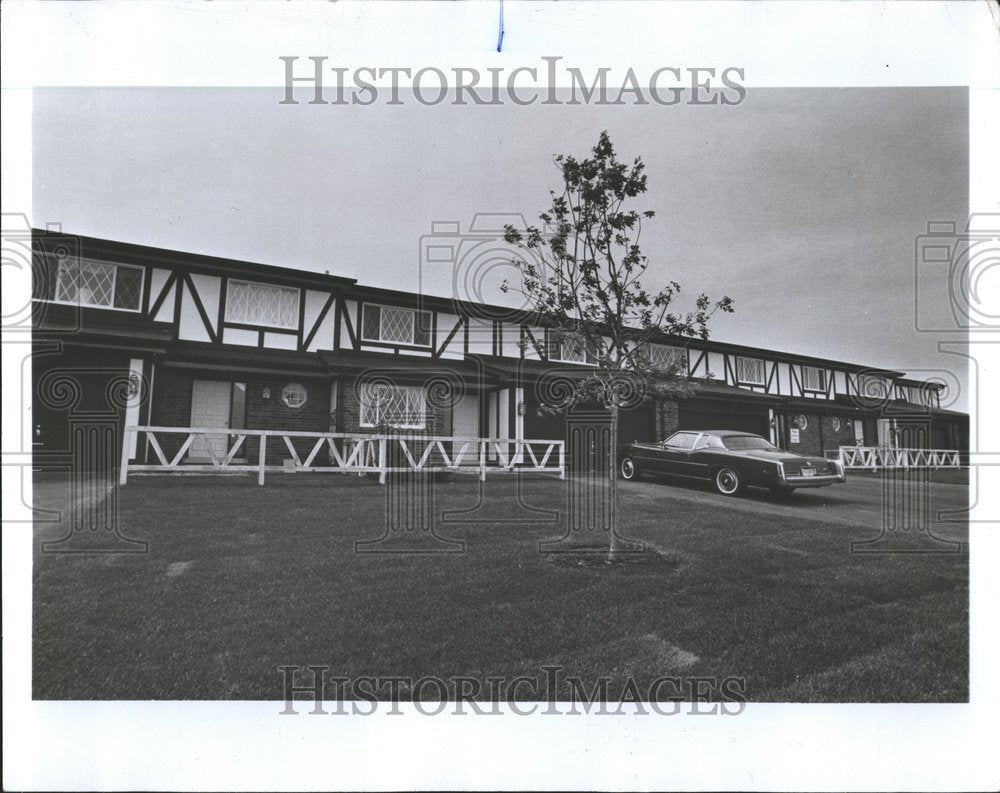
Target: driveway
(857, 502)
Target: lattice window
(662, 356)
(872, 386)
(399, 325)
(750, 371)
(813, 378)
(262, 304)
(570, 349)
(99, 284)
(394, 406)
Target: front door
(465, 424)
(210, 401)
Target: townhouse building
(147, 336)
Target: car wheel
(628, 468)
(729, 482)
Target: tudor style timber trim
(458, 329)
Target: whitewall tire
(628, 469)
(728, 482)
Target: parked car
(731, 460)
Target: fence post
(482, 461)
(562, 459)
(126, 446)
(382, 459)
(261, 452)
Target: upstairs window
(661, 355)
(396, 325)
(394, 406)
(570, 349)
(99, 284)
(813, 378)
(872, 386)
(749, 371)
(248, 303)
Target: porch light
(266, 393)
(521, 408)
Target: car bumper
(793, 480)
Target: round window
(836, 424)
(802, 421)
(294, 395)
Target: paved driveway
(857, 502)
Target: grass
(240, 579)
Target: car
(732, 461)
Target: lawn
(241, 579)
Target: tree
(582, 276)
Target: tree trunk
(613, 544)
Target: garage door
(696, 415)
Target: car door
(676, 453)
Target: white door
(859, 432)
(210, 400)
(465, 424)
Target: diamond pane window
(395, 406)
(569, 349)
(128, 287)
(872, 386)
(663, 356)
(262, 304)
(399, 325)
(750, 371)
(99, 284)
(813, 378)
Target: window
(813, 378)
(663, 356)
(569, 349)
(99, 284)
(682, 440)
(262, 304)
(872, 386)
(802, 421)
(395, 406)
(294, 395)
(710, 442)
(750, 371)
(745, 443)
(400, 325)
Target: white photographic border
(248, 745)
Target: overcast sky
(802, 205)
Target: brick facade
(818, 437)
(667, 420)
(172, 408)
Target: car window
(681, 440)
(712, 442)
(742, 443)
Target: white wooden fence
(878, 457)
(348, 453)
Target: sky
(802, 205)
